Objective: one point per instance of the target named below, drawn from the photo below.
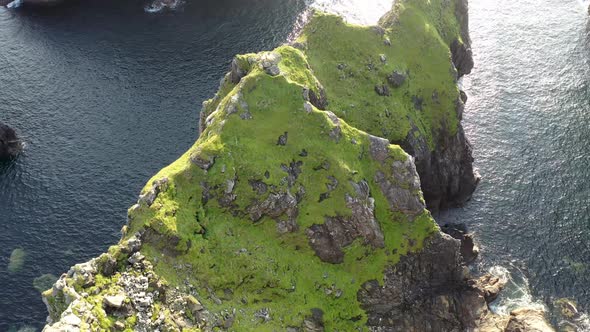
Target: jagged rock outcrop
(270, 221)
(10, 144)
(469, 249)
(427, 291)
(375, 87)
(447, 175)
(528, 320)
(290, 213)
(431, 290)
(462, 57)
(461, 53)
(137, 297)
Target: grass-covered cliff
(292, 202)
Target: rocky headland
(305, 204)
(10, 144)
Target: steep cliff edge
(291, 212)
(396, 81)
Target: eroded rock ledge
(293, 211)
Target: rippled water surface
(105, 95)
(528, 117)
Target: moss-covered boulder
(291, 212)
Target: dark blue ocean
(105, 95)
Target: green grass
(260, 267)
(347, 60)
(237, 263)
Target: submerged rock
(10, 144)
(44, 282)
(17, 260)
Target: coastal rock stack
(10, 144)
(294, 211)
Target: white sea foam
(158, 6)
(15, 4)
(362, 12)
(582, 323)
(516, 294)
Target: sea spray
(15, 4)
(516, 294)
(159, 6)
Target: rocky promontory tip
(294, 211)
(10, 144)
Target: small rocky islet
(10, 144)
(305, 204)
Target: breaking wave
(158, 6)
(516, 294)
(15, 4)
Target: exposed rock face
(329, 239)
(427, 291)
(396, 79)
(462, 57)
(133, 298)
(431, 291)
(528, 320)
(447, 175)
(462, 15)
(10, 145)
(284, 215)
(469, 250)
(399, 198)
